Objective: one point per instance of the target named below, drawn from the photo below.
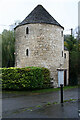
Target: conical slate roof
(39, 15)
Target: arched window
(27, 52)
(27, 30)
(65, 55)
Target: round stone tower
(39, 42)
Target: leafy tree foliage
(71, 44)
(8, 48)
(78, 37)
(0, 50)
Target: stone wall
(45, 44)
(66, 63)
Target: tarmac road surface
(40, 105)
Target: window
(62, 33)
(62, 53)
(27, 30)
(65, 55)
(27, 52)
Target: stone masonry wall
(66, 64)
(45, 44)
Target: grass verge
(53, 89)
(40, 91)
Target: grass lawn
(41, 90)
(53, 89)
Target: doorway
(65, 77)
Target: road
(44, 105)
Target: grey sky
(64, 11)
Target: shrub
(25, 78)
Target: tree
(8, 48)
(78, 37)
(71, 44)
(0, 50)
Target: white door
(60, 78)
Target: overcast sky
(64, 11)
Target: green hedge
(25, 78)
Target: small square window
(62, 33)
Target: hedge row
(25, 78)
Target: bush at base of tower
(25, 78)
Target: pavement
(43, 105)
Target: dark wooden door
(65, 77)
